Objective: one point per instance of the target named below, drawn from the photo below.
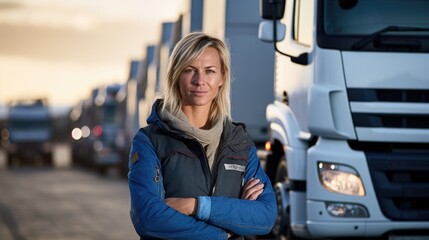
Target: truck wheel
(50, 160)
(101, 170)
(39, 160)
(13, 161)
(282, 224)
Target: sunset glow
(59, 50)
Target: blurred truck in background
(28, 133)
(105, 150)
(95, 129)
(82, 117)
(128, 112)
(349, 127)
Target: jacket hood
(153, 116)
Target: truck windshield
(28, 125)
(110, 113)
(106, 113)
(384, 24)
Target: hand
(252, 189)
(187, 206)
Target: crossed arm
(188, 206)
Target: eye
(210, 71)
(189, 71)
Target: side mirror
(266, 28)
(267, 9)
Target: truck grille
(392, 126)
(401, 181)
(388, 95)
(372, 115)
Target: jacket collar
(234, 133)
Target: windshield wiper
(367, 39)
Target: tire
(282, 228)
(14, 161)
(101, 170)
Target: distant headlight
(76, 133)
(85, 131)
(340, 179)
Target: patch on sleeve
(135, 157)
(235, 167)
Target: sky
(60, 49)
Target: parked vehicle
(82, 117)
(349, 127)
(128, 112)
(106, 152)
(29, 133)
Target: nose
(198, 78)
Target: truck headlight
(340, 179)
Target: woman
(194, 173)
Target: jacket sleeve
(242, 217)
(151, 216)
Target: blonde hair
(184, 53)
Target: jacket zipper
(206, 161)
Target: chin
(200, 103)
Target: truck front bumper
(321, 224)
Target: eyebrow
(211, 66)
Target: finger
(251, 183)
(248, 182)
(250, 191)
(169, 201)
(255, 194)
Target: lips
(199, 93)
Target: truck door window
(303, 22)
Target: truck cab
(29, 133)
(106, 152)
(349, 129)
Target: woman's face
(200, 81)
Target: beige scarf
(209, 138)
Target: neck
(197, 116)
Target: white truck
(349, 126)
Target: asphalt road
(63, 203)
